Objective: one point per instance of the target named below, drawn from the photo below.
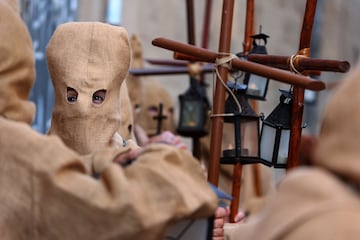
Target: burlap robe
(45, 192)
(323, 201)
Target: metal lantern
(243, 124)
(275, 134)
(194, 108)
(257, 85)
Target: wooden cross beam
(206, 55)
(300, 62)
(208, 68)
(159, 117)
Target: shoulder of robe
(304, 194)
(332, 225)
(23, 145)
(310, 193)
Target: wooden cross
(301, 63)
(299, 82)
(159, 117)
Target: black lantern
(257, 85)
(194, 108)
(242, 123)
(275, 133)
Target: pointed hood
(154, 94)
(338, 147)
(17, 66)
(88, 62)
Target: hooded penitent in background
(45, 192)
(127, 116)
(17, 72)
(134, 83)
(321, 201)
(131, 92)
(87, 63)
(155, 94)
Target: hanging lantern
(243, 124)
(194, 108)
(275, 134)
(257, 85)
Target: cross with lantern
(281, 130)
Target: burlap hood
(17, 72)
(154, 94)
(127, 117)
(134, 83)
(87, 57)
(338, 146)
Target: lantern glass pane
(257, 86)
(228, 141)
(267, 142)
(250, 138)
(284, 147)
(191, 114)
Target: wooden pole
(298, 92)
(190, 21)
(206, 26)
(209, 68)
(301, 63)
(237, 63)
(219, 97)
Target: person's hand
(221, 214)
(168, 138)
(127, 157)
(240, 216)
(165, 137)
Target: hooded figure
(320, 201)
(45, 192)
(134, 83)
(88, 62)
(17, 73)
(131, 92)
(154, 95)
(127, 117)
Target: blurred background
(336, 35)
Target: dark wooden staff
(208, 68)
(219, 97)
(237, 172)
(249, 31)
(298, 91)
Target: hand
(165, 137)
(127, 157)
(168, 138)
(221, 214)
(240, 216)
